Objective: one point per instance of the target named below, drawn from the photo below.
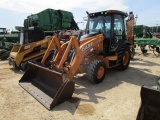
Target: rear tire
(124, 56)
(96, 71)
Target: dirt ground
(116, 98)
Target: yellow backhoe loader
(104, 45)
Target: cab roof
(108, 12)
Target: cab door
(118, 32)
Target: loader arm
(54, 42)
(80, 52)
(73, 43)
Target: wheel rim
(125, 58)
(100, 72)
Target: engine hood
(88, 35)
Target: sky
(13, 12)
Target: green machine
(144, 37)
(50, 21)
(140, 30)
(7, 41)
(153, 43)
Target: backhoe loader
(104, 45)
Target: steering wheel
(115, 41)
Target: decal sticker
(87, 46)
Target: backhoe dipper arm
(54, 43)
(130, 24)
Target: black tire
(2, 51)
(2, 56)
(24, 67)
(123, 60)
(92, 70)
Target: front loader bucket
(47, 86)
(150, 104)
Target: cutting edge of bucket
(57, 98)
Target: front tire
(96, 71)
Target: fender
(124, 43)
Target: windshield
(99, 24)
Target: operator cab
(111, 24)
(30, 35)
